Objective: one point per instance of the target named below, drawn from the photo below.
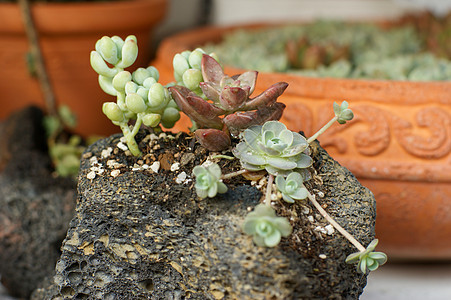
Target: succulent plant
(303, 54)
(266, 228)
(292, 188)
(342, 112)
(367, 260)
(187, 69)
(139, 95)
(228, 97)
(273, 147)
(208, 182)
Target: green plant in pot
(228, 212)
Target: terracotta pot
(68, 33)
(398, 145)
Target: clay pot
(398, 145)
(68, 32)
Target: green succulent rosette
(266, 228)
(208, 182)
(292, 188)
(368, 260)
(274, 148)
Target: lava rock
(35, 207)
(145, 235)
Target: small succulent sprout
(342, 112)
(368, 260)
(266, 228)
(292, 188)
(228, 97)
(273, 147)
(208, 181)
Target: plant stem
(337, 226)
(223, 156)
(233, 174)
(130, 139)
(269, 190)
(321, 131)
(33, 38)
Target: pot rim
(97, 16)
(382, 91)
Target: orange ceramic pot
(68, 33)
(398, 145)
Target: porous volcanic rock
(138, 234)
(35, 206)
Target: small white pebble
(162, 135)
(153, 137)
(122, 146)
(330, 229)
(310, 218)
(93, 160)
(320, 194)
(115, 173)
(145, 166)
(320, 229)
(91, 175)
(123, 139)
(175, 166)
(106, 152)
(305, 210)
(274, 197)
(322, 256)
(155, 166)
(111, 163)
(180, 178)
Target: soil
(35, 205)
(141, 234)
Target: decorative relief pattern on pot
(383, 141)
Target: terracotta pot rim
(94, 14)
(396, 91)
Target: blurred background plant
(417, 47)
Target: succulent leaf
(213, 139)
(211, 69)
(268, 97)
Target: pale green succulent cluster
(187, 69)
(274, 148)
(368, 260)
(266, 228)
(342, 112)
(139, 96)
(292, 187)
(208, 181)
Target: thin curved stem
(337, 226)
(321, 131)
(269, 190)
(43, 78)
(233, 174)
